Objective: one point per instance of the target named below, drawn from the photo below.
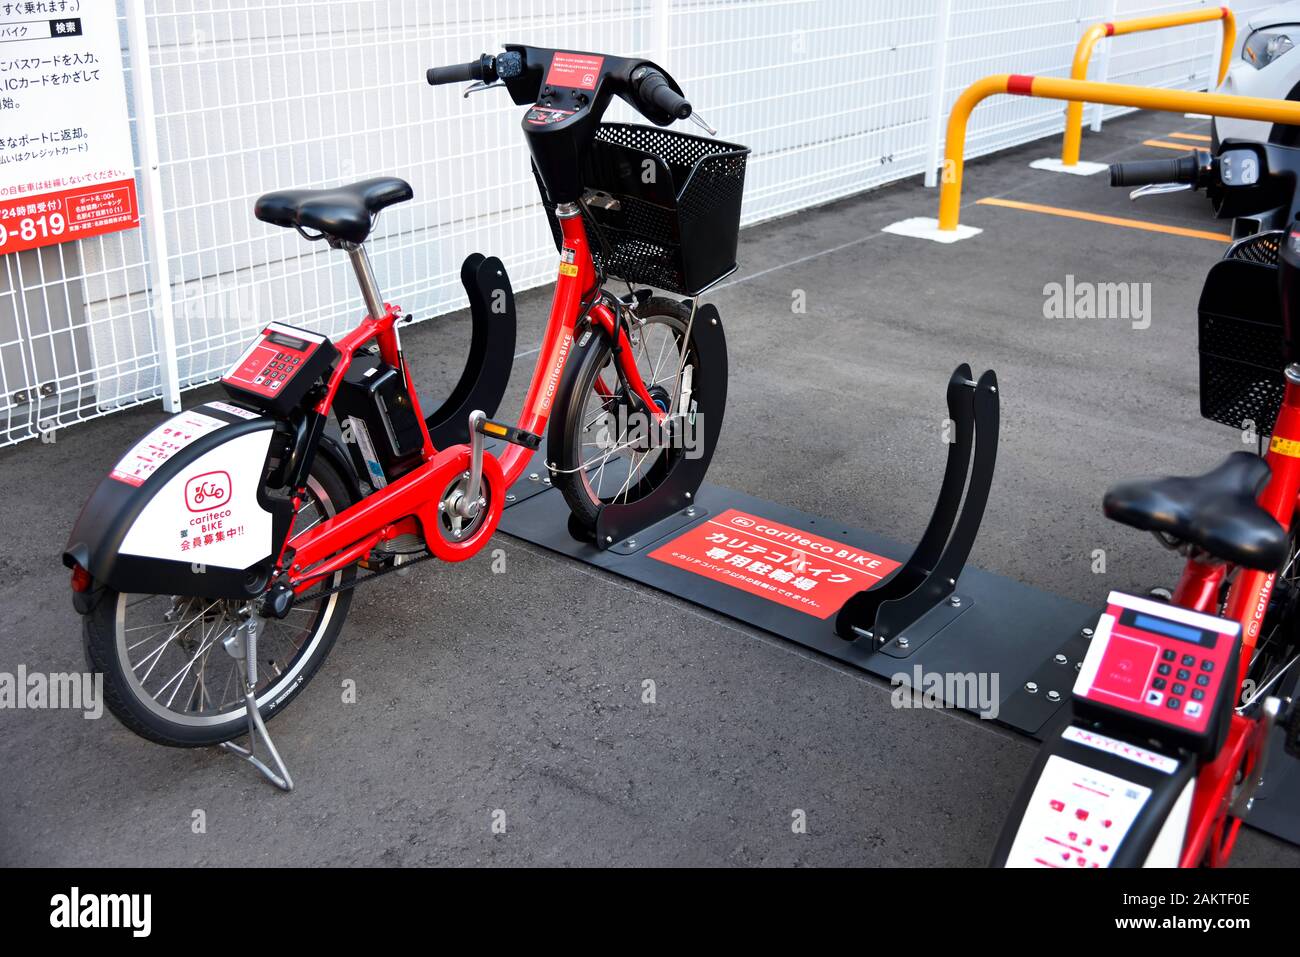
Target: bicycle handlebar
(480, 69)
(646, 87)
(1185, 169)
(652, 88)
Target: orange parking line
(1109, 220)
(1165, 145)
(1194, 137)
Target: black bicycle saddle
(344, 212)
(1216, 512)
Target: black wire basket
(662, 208)
(1242, 354)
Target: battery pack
(373, 395)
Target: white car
(1263, 65)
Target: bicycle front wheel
(604, 448)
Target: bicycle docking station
(493, 325)
(889, 614)
(898, 615)
(855, 596)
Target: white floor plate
(922, 227)
(1080, 168)
(1197, 116)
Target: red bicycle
(1179, 695)
(214, 566)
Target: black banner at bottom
(139, 906)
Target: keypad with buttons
(1173, 696)
(280, 366)
(277, 371)
(1158, 662)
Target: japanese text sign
(66, 164)
(782, 564)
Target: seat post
(366, 279)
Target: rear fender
(186, 511)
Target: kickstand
(242, 646)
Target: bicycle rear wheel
(167, 675)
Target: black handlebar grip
(655, 91)
(1186, 169)
(459, 73)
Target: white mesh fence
(833, 96)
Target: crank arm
(467, 504)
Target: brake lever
(702, 123)
(479, 86)
(1155, 189)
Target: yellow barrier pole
(1112, 94)
(1099, 31)
(1079, 71)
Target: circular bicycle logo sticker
(207, 491)
(742, 522)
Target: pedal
(511, 434)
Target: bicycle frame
(1212, 832)
(411, 503)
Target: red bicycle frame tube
(1211, 833)
(577, 280)
(353, 533)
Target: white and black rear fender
(187, 510)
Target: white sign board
(66, 164)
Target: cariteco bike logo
(557, 367)
(205, 492)
(742, 522)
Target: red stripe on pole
(1020, 85)
(1110, 29)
